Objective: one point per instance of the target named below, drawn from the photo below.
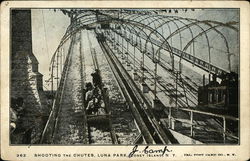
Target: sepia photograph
(149, 79)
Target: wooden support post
(169, 117)
(203, 80)
(143, 66)
(224, 129)
(191, 123)
(155, 81)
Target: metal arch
(204, 32)
(179, 21)
(175, 24)
(89, 14)
(175, 19)
(137, 16)
(228, 25)
(162, 25)
(91, 19)
(144, 18)
(133, 23)
(87, 19)
(214, 28)
(136, 32)
(206, 38)
(209, 52)
(129, 27)
(167, 25)
(68, 34)
(191, 32)
(149, 36)
(144, 26)
(138, 36)
(199, 27)
(136, 24)
(85, 15)
(222, 35)
(71, 26)
(134, 18)
(141, 30)
(149, 16)
(164, 22)
(225, 40)
(156, 19)
(215, 22)
(181, 29)
(148, 24)
(162, 33)
(195, 23)
(131, 16)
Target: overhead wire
(44, 29)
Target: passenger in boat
(96, 78)
(96, 99)
(89, 96)
(92, 99)
(89, 92)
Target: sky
(48, 27)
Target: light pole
(135, 71)
(52, 81)
(156, 104)
(57, 69)
(144, 86)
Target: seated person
(96, 78)
(89, 92)
(94, 102)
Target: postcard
(125, 80)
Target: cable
(44, 29)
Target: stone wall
(26, 81)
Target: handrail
(207, 113)
(192, 111)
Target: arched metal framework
(159, 31)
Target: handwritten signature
(148, 150)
